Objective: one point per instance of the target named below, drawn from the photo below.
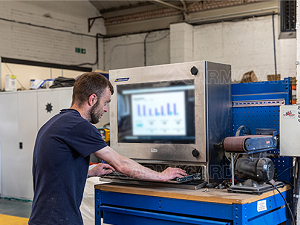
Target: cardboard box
(273, 77)
(249, 77)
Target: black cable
(107, 124)
(145, 46)
(97, 51)
(61, 30)
(274, 46)
(272, 183)
(286, 182)
(145, 55)
(45, 27)
(285, 171)
(297, 186)
(135, 43)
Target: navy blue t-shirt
(60, 165)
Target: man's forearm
(133, 169)
(136, 170)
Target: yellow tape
(13, 220)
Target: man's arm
(133, 169)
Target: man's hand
(100, 169)
(171, 173)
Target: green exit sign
(80, 50)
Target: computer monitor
(156, 112)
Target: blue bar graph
(168, 109)
(175, 112)
(165, 110)
(155, 113)
(139, 110)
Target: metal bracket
(91, 21)
(277, 102)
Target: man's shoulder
(66, 119)
(69, 112)
(70, 115)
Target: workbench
(125, 204)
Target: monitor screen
(160, 112)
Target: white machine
(290, 130)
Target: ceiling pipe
(168, 5)
(183, 10)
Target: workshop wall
(49, 31)
(246, 45)
(129, 50)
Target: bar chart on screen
(159, 113)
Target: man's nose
(105, 108)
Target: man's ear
(92, 99)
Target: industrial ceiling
(109, 6)
(124, 17)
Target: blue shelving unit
(256, 105)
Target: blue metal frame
(120, 208)
(265, 90)
(263, 116)
(124, 209)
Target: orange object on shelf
(294, 102)
(294, 87)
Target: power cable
(61, 30)
(134, 43)
(145, 45)
(97, 51)
(285, 171)
(274, 44)
(145, 55)
(272, 183)
(45, 27)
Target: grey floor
(19, 208)
(15, 208)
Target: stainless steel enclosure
(212, 112)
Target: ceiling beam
(131, 10)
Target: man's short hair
(88, 84)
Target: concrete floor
(22, 209)
(15, 208)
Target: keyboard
(179, 180)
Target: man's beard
(94, 116)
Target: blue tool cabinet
(255, 105)
(125, 205)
